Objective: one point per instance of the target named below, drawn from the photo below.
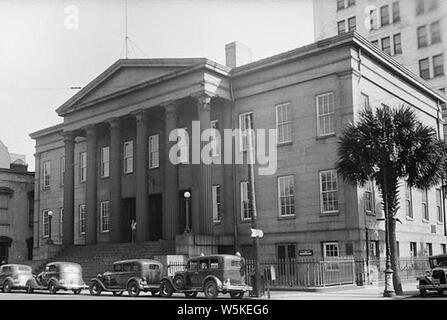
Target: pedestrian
(133, 229)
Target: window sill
(105, 231)
(46, 188)
(409, 218)
(370, 213)
(246, 221)
(325, 136)
(441, 223)
(154, 168)
(283, 144)
(287, 217)
(105, 178)
(216, 223)
(329, 213)
(425, 221)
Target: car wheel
(237, 294)
(133, 289)
(211, 290)
(166, 289)
(52, 288)
(179, 282)
(191, 294)
(95, 288)
(77, 291)
(7, 286)
(117, 293)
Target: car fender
(168, 279)
(215, 279)
(55, 281)
(100, 283)
(425, 279)
(6, 280)
(33, 282)
(136, 279)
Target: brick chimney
(237, 54)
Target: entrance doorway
(155, 216)
(5, 243)
(29, 246)
(129, 215)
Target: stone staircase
(98, 258)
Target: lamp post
(187, 196)
(50, 217)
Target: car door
(124, 276)
(2, 276)
(114, 278)
(191, 274)
(202, 273)
(49, 273)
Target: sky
(47, 47)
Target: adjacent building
(16, 207)
(107, 166)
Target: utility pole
(252, 203)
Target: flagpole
(252, 204)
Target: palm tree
(388, 145)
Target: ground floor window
(413, 249)
(46, 223)
(330, 249)
(443, 248)
(82, 219)
(286, 251)
(374, 251)
(428, 249)
(104, 216)
(61, 222)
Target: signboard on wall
(305, 253)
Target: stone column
(205, 177)
(69, 189)
(115, 181)
(170, 192)
(91, 205)
(142, 195)
(228, 213)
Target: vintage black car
(132, 275)
(435, 279)
(14, 277)
(212, 275)
(58, 276)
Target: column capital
(140, 115)
(203, 99)
(114, 123)
(169, 106)
(90, 129)
(69, 136)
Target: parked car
(132, 276)
(14, 277)
(212, 275)
(435, 279)
(58, 276)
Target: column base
(191, 244)
(48, 251)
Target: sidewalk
(347, 293)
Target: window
(433, 5)
(424, 204)
(374, 249)
(397, 42)
(61, 222)
(413, 249)
(435, 32)
(82, 166)
(105, 162)
(286, 251)
(439, 205)
(328, 189)
(424, 69)
(396, 12)
(62, 170)
(128, 157)
(340, 4)
(104, 216)
(325, 114)
(368, 197)
(376, 43)
(215, 139)
(408, 201)
(341, 27)
(384, 16)
(216, 203)
(438, 65)
(284, 123)
(330, 249)
(386, 45)
(351, 3)
(351, 24)
(373, 17)
(428, 249)
(82, 219)
(422, 37)
(46, 174)
(243, 119)
(286, 196)
(246, 208)
(443, 248)
(420, 7)
(154, 151)
(46, 223)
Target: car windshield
(70, 269)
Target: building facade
(108, 165)
(16, 208)
(411, 31)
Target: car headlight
(227, 282)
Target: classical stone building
(107, 164)
(16, 207)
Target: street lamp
(50, 217)
(187, 196)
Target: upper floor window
(396, 12)
(408, 201)
(244, 120)
(373, 19)
(83, 166)
(340, 4)
(422, 37)
(368, 197)
(424, 69)
(438, 65)
(397, 42)
(435, 32)
(351, 24)
(384, 16)
(105, 162)
(46, 174)
(62, 162)
(386, 45)
(246, 207)
(439, 205)
(365, 100)
(46, 223)
(351, 3)
(104, 216)
(375, 42)
(424, 204)
(128, 156)
(341, 27)
(216, 203)
(325, 114)
(215, 140)
(61, 222)
(286, 196)
(420, 7)
(284, 123)
(329, 191)
(433, 5)
(154, 151)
